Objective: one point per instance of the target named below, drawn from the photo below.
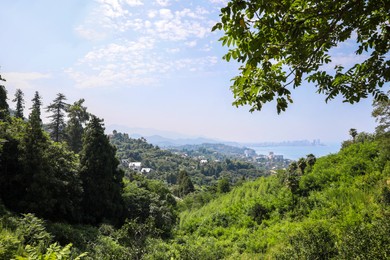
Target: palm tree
(353, 133)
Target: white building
(146, 170)
(136, 166)
(203, 161)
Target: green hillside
(338, 208)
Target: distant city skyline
(155, 65)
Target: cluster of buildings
(270, 157)
(136, 166)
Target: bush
(313, 242)
(32, 231)
(367, 241)
(9, 244)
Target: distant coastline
(294, 152)
(315, 142)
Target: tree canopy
(281, 43)
(57, 123)
(78, 115)
(19, 103)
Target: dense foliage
(280, 42)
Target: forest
(66, 195)
(67, 190)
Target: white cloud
(139, 44)
(219, 2)
(207, 47)
(152, 13)
(109, 17)
(89, 34)
(181, 25)
(24, 80)
(113, 17)
(133, 2)
(163, 2)
(112, 8)
(166, 14)
(173, 50)
(131, 63)
(191, 44)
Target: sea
(296, 152)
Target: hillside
(339, 208)
(216, 151)
(166, 164)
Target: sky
(154, 65)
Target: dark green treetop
(78, 115)
(35, 120)
(282, 42)
(19, 103)
(57, 123)
(185, 184)
(223, 185)
(353, 133)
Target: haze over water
(296, 152)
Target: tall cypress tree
(19, 103)
(57, 124)
(35, 114)
(101, 179)
(78, 115)
(35, 120)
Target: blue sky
(154, 64)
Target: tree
(293, 177)
(35, 115)
(185, 184)
(4, 109)
(32, 161)
(78, 115)
(223, 185)
(311, 159)
(353, 133)
(302, 164)
(282, 42)
(57, 124)
(19, 103)
(101, 179)
(381, 113)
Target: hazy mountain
(164, 138)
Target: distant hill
(172, 139)
(215, 150)
(168, 142)
(165, 138)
